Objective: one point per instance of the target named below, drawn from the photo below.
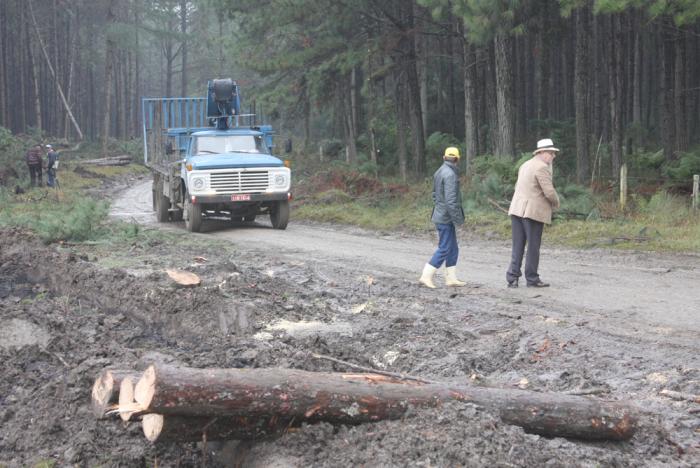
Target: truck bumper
(229, 199)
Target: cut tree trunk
(288, 394)
(127, 403)
(105, 391)
(159, 428)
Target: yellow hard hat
(451, 152)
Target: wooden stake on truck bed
(289, 394)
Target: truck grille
(240, 182)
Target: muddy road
(633, 293)
(615, 325)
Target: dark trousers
(51, 177)
(525, 231)
(35, 174)
(447, 250)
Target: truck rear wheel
(193, 215)
(279, 216)
(162, 204)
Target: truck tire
(249, 218)
(162, 204)
(279, 216)
(193, 215)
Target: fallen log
(159, 428)
(288, 394)
(105, 390)
(122, 160)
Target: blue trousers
(51, 177)
(447, 251)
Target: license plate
(241, 197)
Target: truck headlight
(280, 180)
(198, 183)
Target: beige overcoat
(534, 196)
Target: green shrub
(667, 208)
(681, 172)
(53, 221)
(576, 200)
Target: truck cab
(206, 165)
(233, 171)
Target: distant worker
(51, 166)
(447, 214)
(34, 158)
(531, 208)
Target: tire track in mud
(627, 291)
(620, 323)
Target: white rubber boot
(426, 279)
(451, 277)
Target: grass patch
(663, 222)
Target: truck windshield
(229, 144)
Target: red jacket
(34, 156)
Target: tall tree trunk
(35, 81)
(665, 100)
(581, 95)
(69, 90)
(637, 80)
(345, 91)
(679, 94)
(169, 67)
(490, 99)
(615, 87)
(354, 103)
(470, 124)
(109, 68)
(4, 121)
(183, 29)
(542, 64)
(22, 70)
(137, 68)
(401, 106)
(504, 96)
(421, 45)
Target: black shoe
(538, 284)
(513, 284)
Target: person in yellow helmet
(447, 215)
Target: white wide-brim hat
(545, 144)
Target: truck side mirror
(288, 145)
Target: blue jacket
(52, 158)
(447, 196)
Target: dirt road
(629, 292)
(615, 326)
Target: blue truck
(208, 164)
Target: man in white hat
(531, 208)
(447, 214)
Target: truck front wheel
(279, 216)
(193, 215)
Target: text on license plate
(240, 197)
